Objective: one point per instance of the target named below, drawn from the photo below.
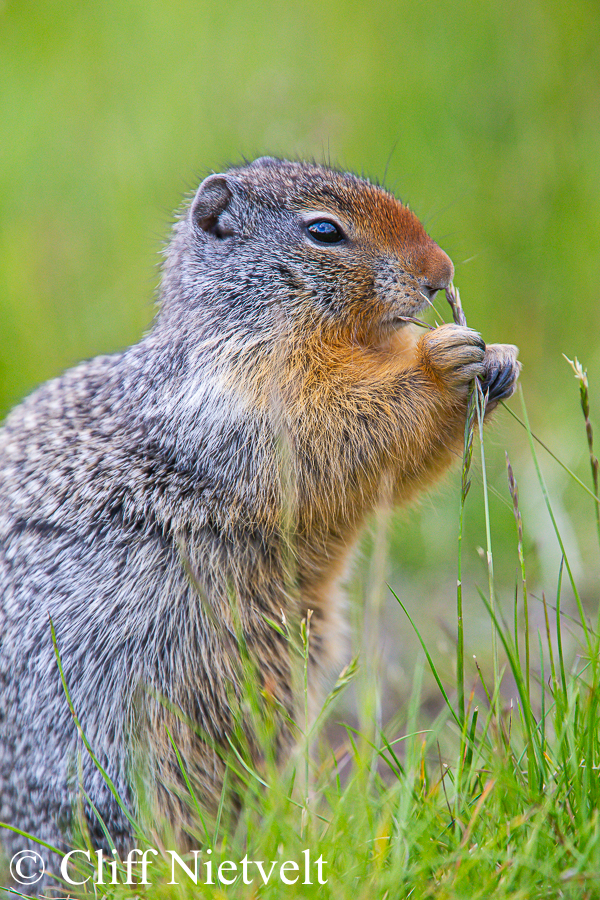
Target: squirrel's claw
(501, 372)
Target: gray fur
(138, 491)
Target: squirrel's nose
(438, 270)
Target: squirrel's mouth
(408, 308)
(394, 324)
(422, 301)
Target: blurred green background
(485, 117)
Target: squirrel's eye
(325, 232)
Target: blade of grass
(550, 453)
(561, 660)
(465, 485)
(543, 695)
(514, 492)
(581, 376)
(555, 526)
(107, 779)
(551, 654)
(429, 660)
(188, 784)
(221, 807)
(30, 837)
(480, 406)
(518, 676)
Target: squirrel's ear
(212, 199)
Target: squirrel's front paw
(502, 369)
(453, 354)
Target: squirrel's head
(279, 241)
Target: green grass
(495, 794)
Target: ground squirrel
(279, 390)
